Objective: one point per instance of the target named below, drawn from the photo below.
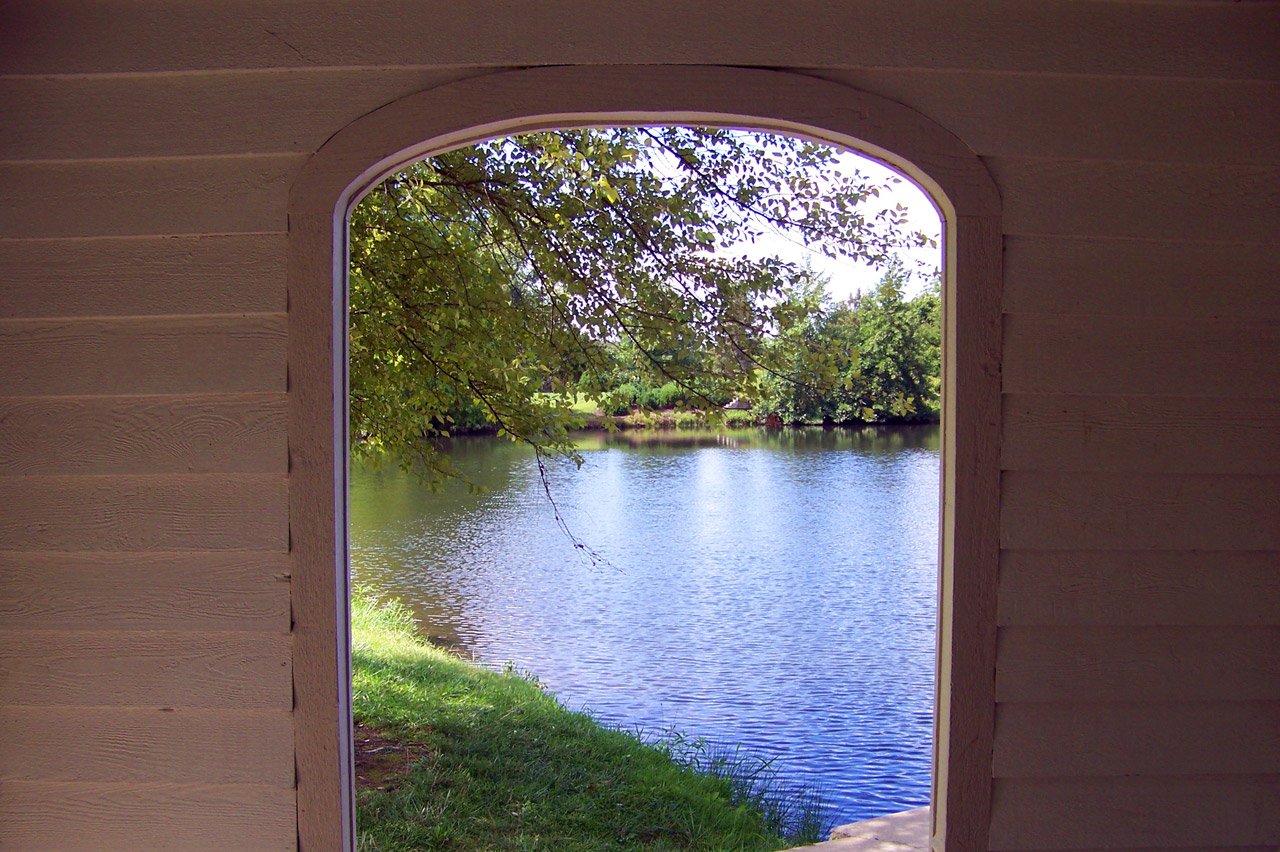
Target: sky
(848, 277)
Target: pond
(774, 590)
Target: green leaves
(488, 275)
(872, 359)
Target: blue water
(776, 591)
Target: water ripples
(779, 596)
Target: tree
(899, 350)
(884, 350)
(484, 277)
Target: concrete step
(907, 831)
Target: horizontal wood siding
(1141, 434)
(113, 198)
(1238, 122)
(154, 668)
(1180, 40)
(194, 115)
(1138, 607)
(1086, 664)
(1138, 653)
(1214, 811)
(1102, 277)
(1204, 202)
(1160, 356)
(225, 274)
(1138, 587)
(1129, 739)
(146, 156)
(171, 355)
(130, 513)
(199, 433)
(1119, 511)
(139, 745)
(237, 591)
(42, 816)
(83, 117)
(145, 603)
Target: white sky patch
(847, 276)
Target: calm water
(773, 590)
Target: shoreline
(668, 420)
(449, 752)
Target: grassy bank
(588, 417)
(669, 419)
(451, 756)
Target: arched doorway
(363, 153)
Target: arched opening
(361, 155)
(759, 601)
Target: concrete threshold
(907, 831)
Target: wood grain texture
(317, 555)
(115, 745)
(1131, 356)
(194, 115)
(1154, 739)
(131, 513)
(1135, 587)
(113, 198)
(1150, 664)
(145, 591)
(297, 109)
(1096, 511)
(151, 355)
(54, 817)
(1220, 812)
(970, 537)
(1140, 278)
(1093, 117)
(1183, 201)
(1177, 40)
(1219, 199)
(206, 433)
(146, 668)
(541, 98)
(1146, 434)
(134, 276)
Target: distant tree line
(873, 358)
(885, 350)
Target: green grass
(581, 404)
(679, 419)
(456, 757)
(584, 405)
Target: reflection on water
(774, 589)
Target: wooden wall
(145, 160)
(1138, 656)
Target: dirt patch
(382, 762)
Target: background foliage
(499, 282)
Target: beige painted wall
(145, 161)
